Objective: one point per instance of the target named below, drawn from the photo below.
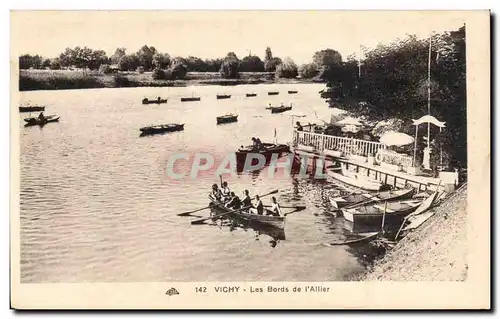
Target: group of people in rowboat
(230, 200)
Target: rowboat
(154, 101)
(267, 149)
(190, 99)
(269, 220)
(357, 198)
(228, 118)
(280, 109)
(31, 121)
(371, 215)
(273, 93)
(223, 96)
(251, 94)
(23, 109)
(162, 128)
(354, 179)
(293, 92)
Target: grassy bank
(67, 79)
(436, 251)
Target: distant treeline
(163, 66)
(393, 84)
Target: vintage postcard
(250, 159)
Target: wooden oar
(297, 209)
(294, 207)
(193, 211)
(200, 221)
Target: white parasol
(393, 138)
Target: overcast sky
(213, 34)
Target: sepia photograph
(258, 156)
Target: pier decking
(353, 154)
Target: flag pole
(429, 93)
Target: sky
(295, 34)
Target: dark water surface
(97, 205)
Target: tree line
(393, 83)
(163, 66)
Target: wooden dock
(334, 148)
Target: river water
(97, 205)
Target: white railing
(348, 146)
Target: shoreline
(36, 80)
(435, 251)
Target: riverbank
(436, 251)
(30, 80)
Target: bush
(140, 69)
(178, 71)
(158, 74)
(121, 81)
(308, 71)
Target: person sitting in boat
(258, 208)
(257, 144)
(216, 193)
(247, 201)
(159, 99)
(226, 192)
(41, 117)
(234, 201)
(282, 105)
(299, 127)
(275, 208)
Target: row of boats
(223, 119)
(193, 98)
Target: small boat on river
(223, 96)
(31, 121)
(366, 198)
(228, 118)
(162, 128)
(292, 92)
(267, 149)
(280, 109)
(370, 216)
(354, 179)
(251, 94)
(154, 101)
(265, 219)
(25, 109)
(273, 93)
(190, 99)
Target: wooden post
(383, 216)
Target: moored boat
(280, 109)
(154, 101)
(267, 149)
(354, 179)
(228, 118)
(31, 121)
(370, 216)
(251, 94)
(273, 93)
(357, 198)
(23, 109)
(269, 220)
(190, 99)
(292, 92)
(162, 128)
(223, 96)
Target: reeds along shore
(65, 79)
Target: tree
(213, 65)
(27, 61)
(158, 74)
(46, 63)
(145, 56)
(251, 63)
(287, 69)
(230, 66)
(161, 60)
(128, 62)
(269, 54)
(308, 70)
(55, 64)
(271, 64)
(326, 57)
(195, 64)
(119, 52)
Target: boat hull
(32, 121)
(273, 93)
(275, 110)
(360, 183)
(190, 99)
(222, 120)
(146, 101)
(222, 97)
(160, 130)
(251, 95)
(354, 199)
(24, 109)
(292, 92)
(268, 220)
